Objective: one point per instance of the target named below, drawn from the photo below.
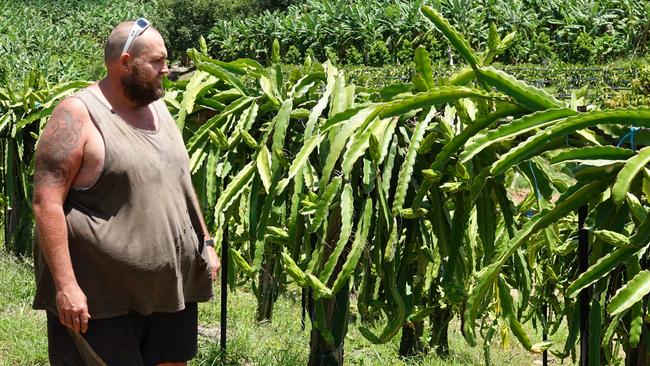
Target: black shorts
(134, 339)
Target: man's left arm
(215, 264)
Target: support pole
(584, 295)
(303, 305)
(224, 293)
(545, 334)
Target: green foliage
(183, 21)
(405, 53)
(641, 84)
(582, 50)
(63, 40)
(422, 174)
(293, 56)
(404, 191)
(544, 30)
(437, 49)
(379, 54)
(541, 50)
(332, 55)
(353, 56)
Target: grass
(22, 330)
(23, 339)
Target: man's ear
(124, 60)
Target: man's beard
(141, 89)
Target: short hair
(116, 40)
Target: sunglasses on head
(139, 27)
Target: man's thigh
(170, 337)
(130, 340)
(112, 340)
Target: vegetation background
(62, 40)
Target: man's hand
(73, 308)
(214, 263)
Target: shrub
(641, 84)
(583, 49)
(405, 53)
(310, 52)
(330, 54)
(437, 49)
(540, 49)
(518, 52)
(183, 21)
(604, 48)
(379, 54)
(353, 56)
(293, 56)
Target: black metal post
(224, 293)
(545, 334)
(303, 305)
(584, 295)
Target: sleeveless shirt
(134, 235)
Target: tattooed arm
(58, 157)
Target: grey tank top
(134, 234)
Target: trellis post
(224, 293)
(583, 263)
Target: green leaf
(517, 127)
(455, 38)
(612, 237)
(595, 325)
(240, 262)
(302, 86)
(532, 146)
(528, 96)
(263, 162)
(441, 95)
(591, 153)
(203, 47)
(233, 190)
(493, 38)
(631, 293)
(600, 269)
(638, 210)
(360, 238)
(303, 155)
(347, 213)
(275, 51)
(216, 122)
(359, 144)
(323, 205)
(506, 42)
(423, 68)
(406, 170)
(625, 177)
(223, 74)
(322, 102)
(468, 133)
(486, 277)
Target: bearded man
(123, 254)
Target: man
(122, 254)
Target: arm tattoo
(61, 136)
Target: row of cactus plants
(401, 195)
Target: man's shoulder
(71, 110)
(73, 107)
